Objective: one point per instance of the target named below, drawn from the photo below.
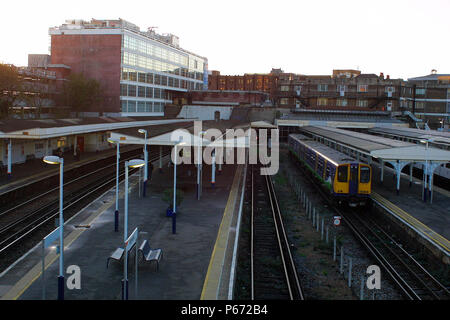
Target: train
(347, 180)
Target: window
(364, 174)
(124, 105)
(389, 89)
(132, 76)
(342, 173)
(420, 91)
(157, 93)
(157, 79)
(149, 77)
(322, 101)
(141, 77)
(420, 104)
(149, 92)
(132, 91)
(149, 106)
(341, 102)
(322, 87)
(141, 106)
(131, 106)
(284, 101)
(362, 103)
(141, 92)
(363, 88)
(123, 89)
(284, 88)
(389, 106)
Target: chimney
(387, 77)
(381, 75)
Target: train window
(343, 173)
(364, 176)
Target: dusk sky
(402, 38)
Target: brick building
(138, 71)
(431, 98)
(344, 90)
(248, 82)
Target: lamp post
(60, 161)
(116, 213)
(426, 170)
(174, 213)
(199, 165)
(135, 163)
(145, 159)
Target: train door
(353, 184)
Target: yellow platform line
(213, 275)
(35, 272)
(435, 237)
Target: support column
(430, 184)
(411, 165)
(424, 189)
(75, 145)
(213, 168)
(9, 159)
(398, 171)
(46, 148)
(382, 171)
(160, 159)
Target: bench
(149, 254)
(117, 255)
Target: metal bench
(117, 255)
(149, 254)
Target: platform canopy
(379, 147)
(414, 154)
(224, 137)
(437, 137)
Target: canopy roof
(379, 147)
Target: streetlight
(174, 218)
(135, 163)
(145, 158)
(60, 161)
(199, 165)
(426, 169)
(116, 213)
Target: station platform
(195, 262)
(429, 221)
(36, 169)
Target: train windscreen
(343, 173)
(364, 174)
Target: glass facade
(151, 70)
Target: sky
(401, 38)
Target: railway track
(410, 277)
(272, 268)
(22, 220)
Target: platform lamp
(143, 131)
(174, 213)
(425, 141)
(60, 161)
(135, 163)
(116, 213)
(199, 165)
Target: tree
(10, 89)
(81, 93)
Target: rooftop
(120, 24)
